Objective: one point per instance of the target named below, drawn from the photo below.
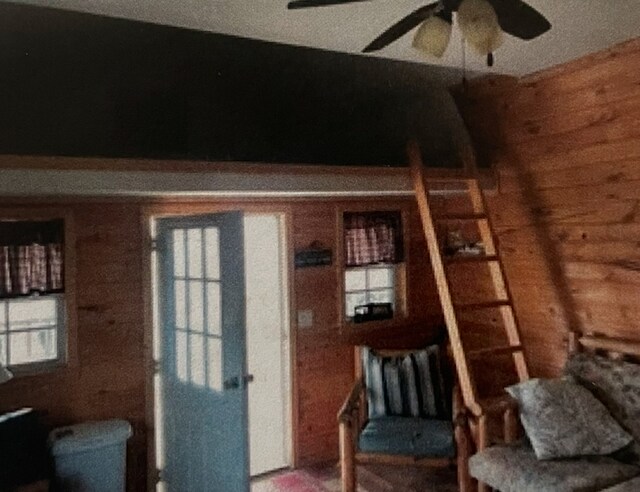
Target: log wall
(566, 143)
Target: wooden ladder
(478, 408)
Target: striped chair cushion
(411, 386)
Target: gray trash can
(90, 457)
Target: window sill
(395, 322)
(359, 333)
(37, 368)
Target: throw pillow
(562, 419)
(411, 385)
(615, 383)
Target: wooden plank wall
(567, 146)
(324, 361)
(108, 378)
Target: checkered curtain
(373, 237)
(31, 258)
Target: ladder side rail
(467, 384)
(499, 278)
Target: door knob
(234, 382)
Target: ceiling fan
(482, 23)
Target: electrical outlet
(305, 318)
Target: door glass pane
(380, 277)
(38, 313)
(181, 355)
(178, 253)
(214, 355)
(194, 249)
(196, 311)
(214, 323)
(181, 304)
(355, 280)
(197, 359)
(212, 250)
(33, 346)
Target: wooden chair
(353, 417)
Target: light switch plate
(305, 318)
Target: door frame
(185, 208)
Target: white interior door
(267, 343)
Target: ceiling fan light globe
(432, 37)
(479, 25)
(485, 41)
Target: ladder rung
(482, 305)
(462, 258)
(509, 349)
(461, 217)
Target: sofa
(615, 383)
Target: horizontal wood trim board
(276, 182)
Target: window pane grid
(379, 286)
(197, 308)
(31, 330)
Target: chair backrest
(382, 352)
(405, 382)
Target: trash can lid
(88, 436)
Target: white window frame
(68, 320)
(60, 328)
(392, 267)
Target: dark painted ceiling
(84, 85)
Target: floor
(371, 478)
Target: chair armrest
(503, 407)
(499, 405)
(349, 428)
(349, 412)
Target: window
(32, 300)
(373, 260)
(31, 330)
(369, 284)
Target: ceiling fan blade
(401, 27)
(302, 4)
(519, 19)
